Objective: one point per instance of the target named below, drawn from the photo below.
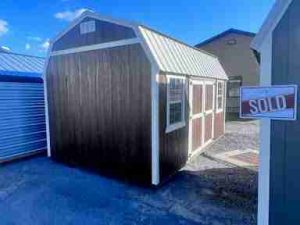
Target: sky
(26, 26)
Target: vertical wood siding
(209, 96)
(219, 125)
(208, 127)
(173, 146)
(100, 111)
(196, 133)
(73, 38)
(197, 98)
(285, 154)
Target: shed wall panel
(100, 110)
(285, 154)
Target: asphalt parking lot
(206, 192)
(40, 191)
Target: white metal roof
(168, 54)
(176, 57)
(275, 15)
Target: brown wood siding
(209, 96)
(196, 133)
(197, 98)
(208, 127)
(100, 111)
(173, 152)
(105, 32)
(219, 125)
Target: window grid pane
(176, 94)
(220, 96)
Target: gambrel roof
(169, 55)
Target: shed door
(196, 115)
(209, 111)
(22, 119)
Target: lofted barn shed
(129, 101)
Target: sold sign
(275, 102)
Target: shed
(129, 101)
(278, 43)
(22, 112)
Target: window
(175, 103)
(220, 95)
(231, 42)
(234, 85)
(87, 27)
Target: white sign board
(274, 102)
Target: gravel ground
(40, 191)
(236, 186)
(240, 135)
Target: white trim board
(265, 142)
(110, 44)
(155, 169)
(46, 102)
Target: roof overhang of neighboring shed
(270, 23)
(17, 67)
(166, 54)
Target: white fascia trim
(111, 44)
(265, 141)
(275, 15)
(46, 101)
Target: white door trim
(206, 112)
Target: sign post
(275, 102)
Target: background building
(232, 47)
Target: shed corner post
(155, 173)
(265, 138)
(46, 101)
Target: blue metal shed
(22, 112)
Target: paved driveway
(40, 191)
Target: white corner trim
(111, 44)
(46, 102)
(274, 17)
(155, 169)
(265, 142)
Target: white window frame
(217, 96)
(178, 125)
